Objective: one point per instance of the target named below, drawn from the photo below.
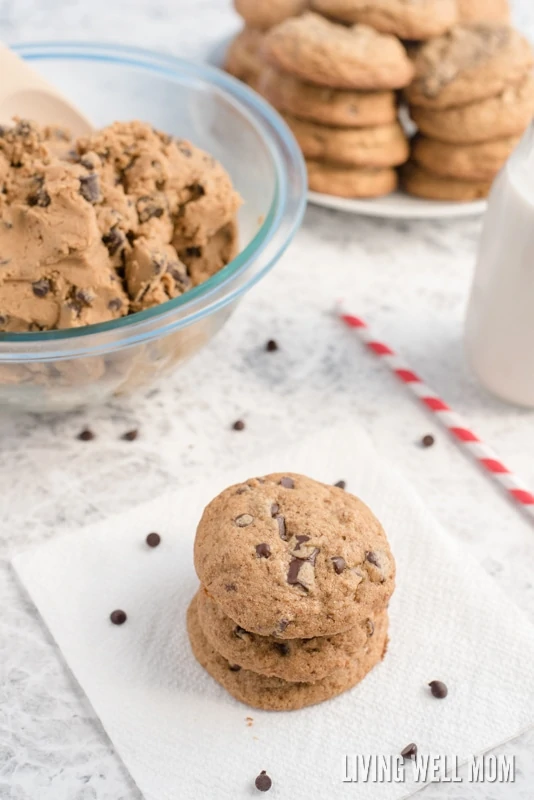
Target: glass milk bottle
(500, 318)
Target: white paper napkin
(182, 736)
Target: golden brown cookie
(407, 19)
(264, 14)
(467, 162)
(285, 555)
(242, 57)
(274, 694)
(422, 183)
(470, 63)
(341, 107)
(507, 114)
(291, 660)
(329, 54)
(343, 181)
(484, 11)
(382, 146)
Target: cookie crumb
(249, 721)
(438, 689)
(86, 435)
(263, 783)
(130, 436)
(239, 425)
(272, 346)
(428, 440)
(153, 539)
(118, 617)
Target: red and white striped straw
(455, 424)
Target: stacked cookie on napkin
(296, 580)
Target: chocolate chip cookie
(484, 11)
(467, 162)
(507, 114)
(340, 107)
(381, 146)
(264, 14)
(407, 19)
(242, 57)
(469, 63)
(423, 183)
(291, 660)
(328, 54)
(274, 694)
(343, 181)
(287, 556)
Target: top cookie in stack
(472, 98)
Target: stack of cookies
(472, 99)
(296, 580)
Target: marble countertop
(410, 279)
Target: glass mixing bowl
(61, 370)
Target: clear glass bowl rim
(288, 206)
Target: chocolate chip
(263, 550)
(86, 435)
(197, 191)
(275, 508)
(242, 490)
(272, 346)
(239, 425)
(118, 617)
(301, 540)
(244, 521)
(113, 240)
(22, 128)
(153, 540)
(282, 530)
(341, 484)
(234, 667)
(115, 304)
(340, 565)
(372, 558)
(428, 440)
(39, 198)
(184, 150)
(438, 689)
(287, 483)
(147, 208)
(240, 633)
(41, 288)
(130, 436)
(193, 252)
(90, 188)
(3, 319)
(263, 783)
(312, 558)
(295, 566)
(87, 163)
(283, 625)
(282, 647)
(230, 587)
(410, 751)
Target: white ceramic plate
(398, 205)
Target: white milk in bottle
(500, 318)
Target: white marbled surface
(410, 279)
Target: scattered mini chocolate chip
(153, 539)
(130, 436)
(372, 558)
(438, 689)
(428, 440)
(340, 565)
(287, 483)
(240, 632)
(282, 530)
(272, 346)
(41, 288)
(86, 435)
(410, 751)
(263, 783)
(282, 647)
(234, 667)
(40, 198)
(239, 425)
(230, 587)
(263, 550)
(244, 520)
(275, 508)
(113, 240)
(90, 188)
(370, 627)
(118, 617)
(301, 540)
(341, 484)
